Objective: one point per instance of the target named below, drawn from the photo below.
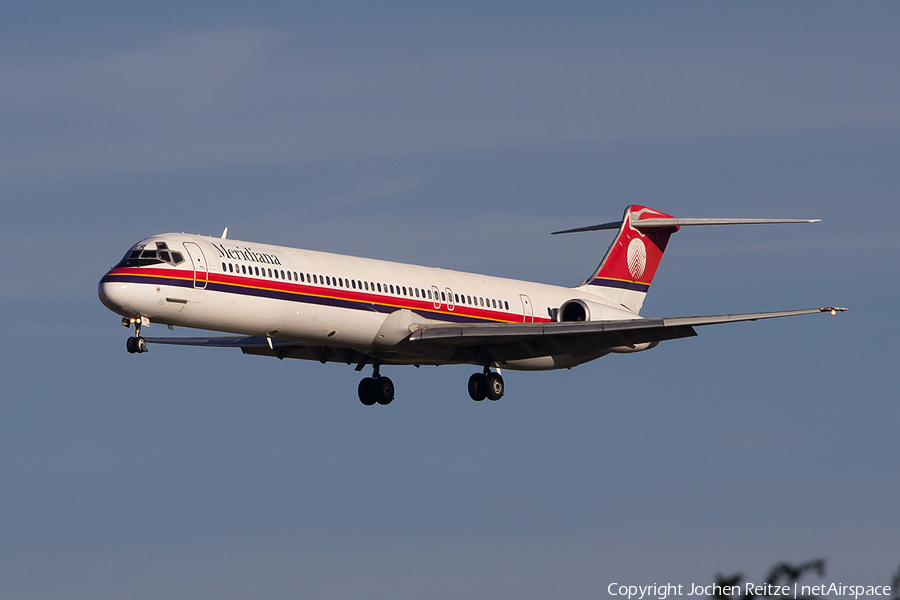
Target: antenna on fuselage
(225, 233)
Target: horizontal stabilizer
(674, 222)
(610, 225)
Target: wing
(272, 347)
(593, 335)
(234, 341)
(437, 343)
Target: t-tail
(625, 273)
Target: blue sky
(455, 136)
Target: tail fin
(626, 271)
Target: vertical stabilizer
(626, 271)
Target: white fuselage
(319, 298)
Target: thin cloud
(246, 98)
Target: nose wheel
(136, 344)
(485, 385)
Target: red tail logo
(635, 254)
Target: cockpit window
(141, 256)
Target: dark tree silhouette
(785, 574)
(779, 575)
(895, 585)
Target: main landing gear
(136, 344)
(376, 389)
(485, 385)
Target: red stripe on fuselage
(328, 292)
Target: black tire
(366, 391)
(130, 345)
(477, 389)
(493, 384)
(383, 390)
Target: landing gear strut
(376, 389)
(485, 385)
(136, 344)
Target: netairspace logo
(661, 592)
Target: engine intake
(579, 309)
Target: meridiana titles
(247, 254)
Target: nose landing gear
(376, 389)
(136, 344)
(485, 385)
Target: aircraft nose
(114, 295)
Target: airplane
(292, 303)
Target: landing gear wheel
(493, 384)
(477, 388)
(383, 390)
(365, 390)
(136, 345)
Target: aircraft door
(527, 311)
(198, 261)
(437, 296)
(450, 302)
